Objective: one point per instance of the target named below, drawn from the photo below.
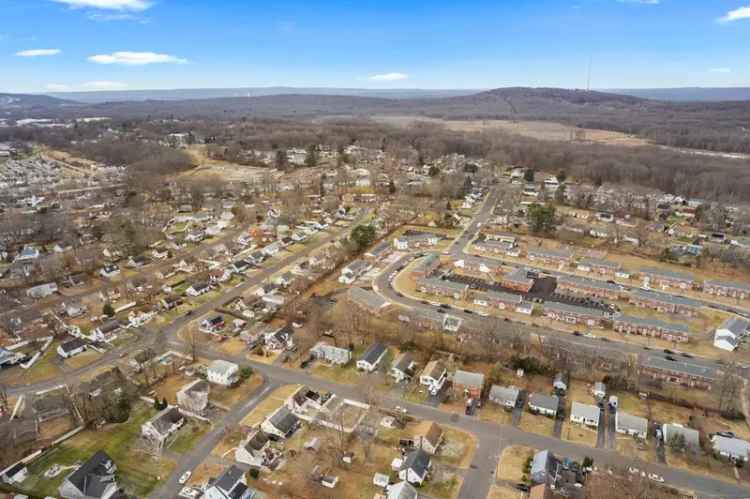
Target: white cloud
(38, 52)
(736, 15)
(720, 70)
(390, 77)
(104, 85)
(132, 5)
(136, 58)
(57, 87)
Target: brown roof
(433, 433)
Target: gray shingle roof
(647, 321)
(465, 378)
(549, 402)
(373, 353)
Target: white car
(185, 477)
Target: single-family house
(213, 324)
(281, 424)
(222, 372)
(730, 333)
(372, 357)
(428, 436)
(72, 347)
(736, 449)
(585, 414)
(467, 384)
(403, 367)
(198, 289)
(402, 490)
(540, 403)
(42, 290)
(504, 396)
(163, 426)
(231, 484)
(415, 467)
(679, 437)
(193, 397)
(628, 424)
(434, 376)
(331, 354)
(15, 475)
(353, 271)
(255, 451)
(94, 479)
(368, 301)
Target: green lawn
(138, 473)
(188, 436)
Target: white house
(231, 484)
(372, 357)
(15, 474)
(736, 449)
(193, 397)
(627, 424)
(281, 424)
(730, 333)
(256, 451)
(585, 414)
(402, 490)
(93, 479)
(544, 404)
(72, 348)
(434, 376)
(163, 426)
(222, 372)
(402, 367)
(415, 467)
(331, 354)
(42, 290)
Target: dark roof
(284, 420)
(73, 344)
(373, 353)
(94, 476)
(418, 461)
(257, 441)
(229, 478)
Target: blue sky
(145, 44)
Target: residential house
(353, 271)
(255, 451)
(434, 376)
(15, 475)
(730, 333)
(504, 396)
(367, 300)
(664, 303)
(560, 384)
(737, 290)
(543, 467)
(655, 328)
(213, 324)
(585, 414)
(497, 299)
(574, 314)
(402, 490)
(193, 397)
(170, 302)
(42, 290)
(415, 467)
(222, 372)
(679, 436)
(627, 424)
(280, 339)
(736, 449)
(94, 479)
(163, 426)
(599, 390)
(9, 357)
(547, 405)
(72, 347)
(331, 354)
(402, 368)
(231, 484)
(198, 289)
(428, 437)
(107, 330)
(467, 384)
(372, 357)
(281, 424)
(378, 251)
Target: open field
(230, 396)
(45, 368)
(188, 436)
(82, 359)
(505, 493)
(579, 434)
(533, 423)
(541, 130)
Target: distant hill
(717, 126)
(687, 94)
(25, 102)
(217, 93)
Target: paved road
(492, 437)
(188, 462)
